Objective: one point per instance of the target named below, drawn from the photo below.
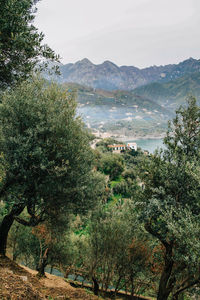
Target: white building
(132, 146)
(117, 148)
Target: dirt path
(93, 144)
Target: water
(149, 144)
(54, 272)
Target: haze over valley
(127, 101)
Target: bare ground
(21, 283)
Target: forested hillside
(172, 94)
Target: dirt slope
(21, 283)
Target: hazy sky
(127, 32)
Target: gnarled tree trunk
(166, 284)
(6, 225)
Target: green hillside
(144, 109)
(100, 104)
(173, 93)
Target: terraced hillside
(106, 110)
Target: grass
(116, 181)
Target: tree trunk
(96, 286)
(132, 291)
(6, 225)
(42, 264)
(163, 295)
(4, 229)
(15, 254)
(164, 287)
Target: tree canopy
(171, 202)
(21, 45)
(46, 157)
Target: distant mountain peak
(85, 61)
(191, 59)
(108, 62)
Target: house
(132, 146)
(117, 148)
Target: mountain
(127, 100)
(118, 110)
(109, 76)
(173, 93)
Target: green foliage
(129, 174)
(21, 45)
(47, 159)
(28, 244)
(109, 251)
(186, 141)
(121, 188)
(111, 164)
(171, 201)
(45, 148)
(24, 245)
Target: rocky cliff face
(109, 76)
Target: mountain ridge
(172, 93)
(109, 76)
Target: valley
(127, 102)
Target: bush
(121, 188)
(111, 164)
(130, 173)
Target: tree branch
(31, 209)
(149, 228)
(190, 284)
(33, 221)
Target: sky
(137, 33)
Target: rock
(24, 278)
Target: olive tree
(46, 159)
(109, 252)
(21, 46)
(171, 210)
(111, 164)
